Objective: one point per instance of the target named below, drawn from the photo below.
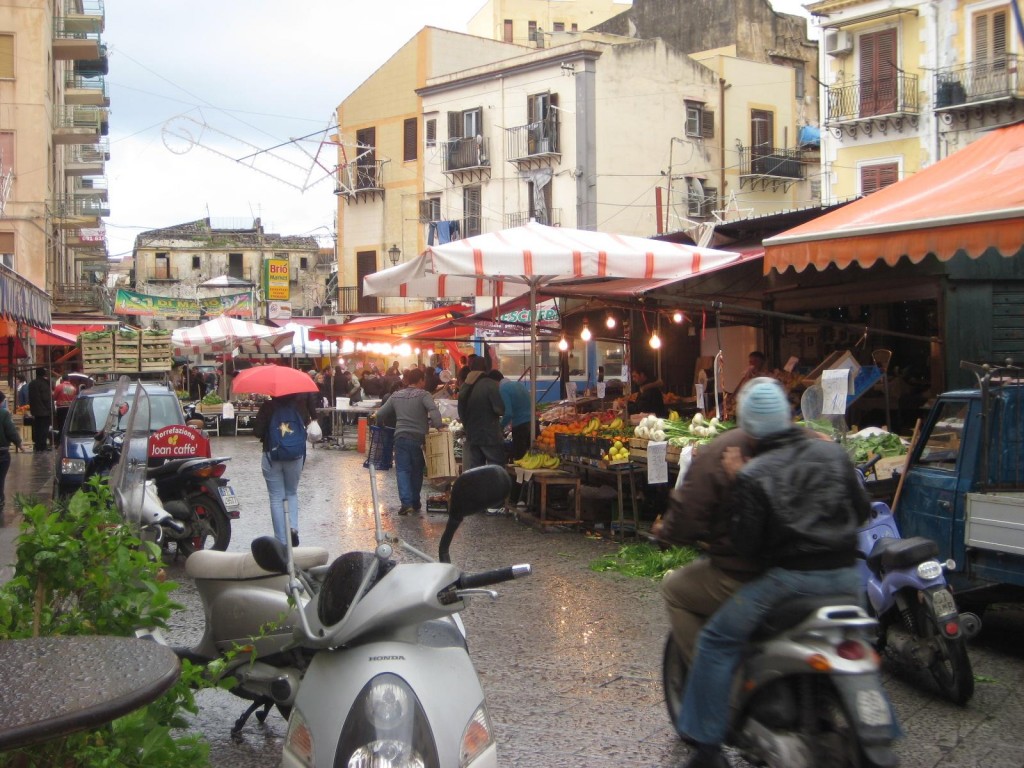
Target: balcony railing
(873, 98)
(466, 154)
(360, 177)
(552, 218)
(348, 299)
(535, 140)
(79, 207)
(95, 186)
(85, 90)
(979, 81)
(772, 161)
(76, 294)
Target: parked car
(86, 417)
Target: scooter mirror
(270, 554)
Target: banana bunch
(592, 426)
(615, 423)
(534, 460)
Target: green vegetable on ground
(645, 561)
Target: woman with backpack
(281, 426)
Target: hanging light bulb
(563, 345)
(677, 316)
(610, 321)
(655, 341)
(585, 334)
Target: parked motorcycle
(918, 620)
(189, 489)
(808, 694)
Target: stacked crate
(126, 351)
(97, 353)
(154, 352)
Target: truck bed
(995, 521)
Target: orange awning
(53, 338)
(390, 326)
(971, 201)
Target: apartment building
(538, 23)
(906, 84)
(53, 124)
(175, 262)
(382, 146)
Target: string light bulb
(563, 345)
(655, 341)
(610, 321)
(677, 317)
(585, 334)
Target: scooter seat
(890, 554)
(238, 566)
(792, 612)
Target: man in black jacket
(796, 508)
(40, 405)
(480, 410)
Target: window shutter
(454, 125)
(425, 212)
(875, 177)
(6, 56)
(981, 49)
(707, 124)
(430, 129)
(409, 143)
(998, 34)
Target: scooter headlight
(930, 569)
(387, 728)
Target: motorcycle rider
(797, 505)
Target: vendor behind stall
(649, 398)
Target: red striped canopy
(222, 335)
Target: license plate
(227, 493)
(943, 603)
(872, 708)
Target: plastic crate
(382, 447)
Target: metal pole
(533, 359)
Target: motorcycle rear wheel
(673, 678)
(210, 526)
(951, 669)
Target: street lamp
(394, 253)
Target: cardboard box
(440, 453)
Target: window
(990, 38)
(574, 27)
(942, 443)
(542, 132)
(694, 118)
(471, 210)
(465, 125)
(878, 73)
(303, 262)
(196, 262)
(798, 70)
(7, 56)
(559, 26)
(366, 162)
(6, 166)
(430, 131)
(7, 249)
(409, 142)
(531, 31)
(430, 209)
(875, 177)
(235, 266)
(540, 203)
(162, 267)
(507, 32)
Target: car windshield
(89, 413)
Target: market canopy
(301, 345)
(223, 335)
(971, 201)
(390, 327)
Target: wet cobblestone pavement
(569, 658)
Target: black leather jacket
(798, 503)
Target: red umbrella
(273, 380)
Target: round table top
(54, 686)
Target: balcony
(86, 159)
(466, 158)
(361, 181)
(552, 218)
(534, 144)
(67, 296)
(85, 91)
(79, 125)
(775, 167)
(88, 238)
(90, 186)
(870, 105)
(982, 92)
(77, 212)
(76, 34)
(350, 302)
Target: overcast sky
(196, 86)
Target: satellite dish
(811, 403)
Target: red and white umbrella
(222, 335)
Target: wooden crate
(440, 454)
(97, 355)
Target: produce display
(534, 460)
(680, 432)
(862, 449)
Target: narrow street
(569, 658)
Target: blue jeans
(705, 712)
(409, 466)
(283, 486)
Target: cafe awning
(22, 301)
(969, 202)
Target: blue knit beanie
(763, 408)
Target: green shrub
(80, 571)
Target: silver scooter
(390, 681)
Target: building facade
(537, 23)
(53, 124)
(175, 261)
(905, 86)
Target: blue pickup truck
(964, 485)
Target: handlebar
(475, 580)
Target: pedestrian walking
(8, 436)
(64, 393)
(281, 427)
(40, 406)
(414, 412)
(480, 411)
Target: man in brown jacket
(695, 517)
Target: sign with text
(178, 442)
(132, 303)
(276, 276)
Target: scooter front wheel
(210, 525)
(673, 678)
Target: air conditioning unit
(838, 42)
(332, 320)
